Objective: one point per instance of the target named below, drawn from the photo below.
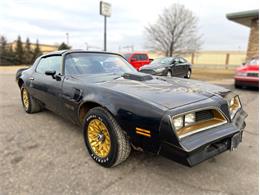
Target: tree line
(18, 54)
(21, 53)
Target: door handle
(31, 78)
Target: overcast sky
(50, 20)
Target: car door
(184, 66)
(178, 68)
(141, 60)
(72, 90)
(135, 61)
(144, 59)
(47, 88)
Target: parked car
(137, 59)
(248, 74)
(118, 107)
(169, 66)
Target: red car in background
(248, 74)
(137, 59)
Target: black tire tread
(35, 106)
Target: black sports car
(118, 107)
(168, 66)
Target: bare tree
(176, 31)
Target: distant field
(211, 74)
(197, 73)
(10, 69)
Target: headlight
(178, 122)
(189, 119)
(234, 106)
(184, 120)
(241, 74)
(159, 69)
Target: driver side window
(51, 63)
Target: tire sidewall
(169, 73)
(112, 156)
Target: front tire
(30, 104)
(188, 75)
(104, 139)
(169, 73)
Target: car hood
(154, 66)
(166, 92)
(248, 68)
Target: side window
(136, 56)
(52, 63)
(182, 60)
(140, 57)
(143, 57)
(176, 61)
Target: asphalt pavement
(44, 154)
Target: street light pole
(105, 33)
(105, 10)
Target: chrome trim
(202, 129)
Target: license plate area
(235, 141)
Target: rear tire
(107, 144)
(30, 104)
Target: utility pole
(105, 10)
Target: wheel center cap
(101, 137)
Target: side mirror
(50, 73)
(133, 59)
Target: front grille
(252, 74)
(147, 71)
(204, 115)
(224, 108)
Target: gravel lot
(44, 154)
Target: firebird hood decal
(167, 92)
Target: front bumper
(153, 72)
(208, 143)
(247, 81)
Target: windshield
(253, 62)
(127, 56)
(96, 63)
(162, 61)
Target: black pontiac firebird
(118, 107)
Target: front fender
(131, 113)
